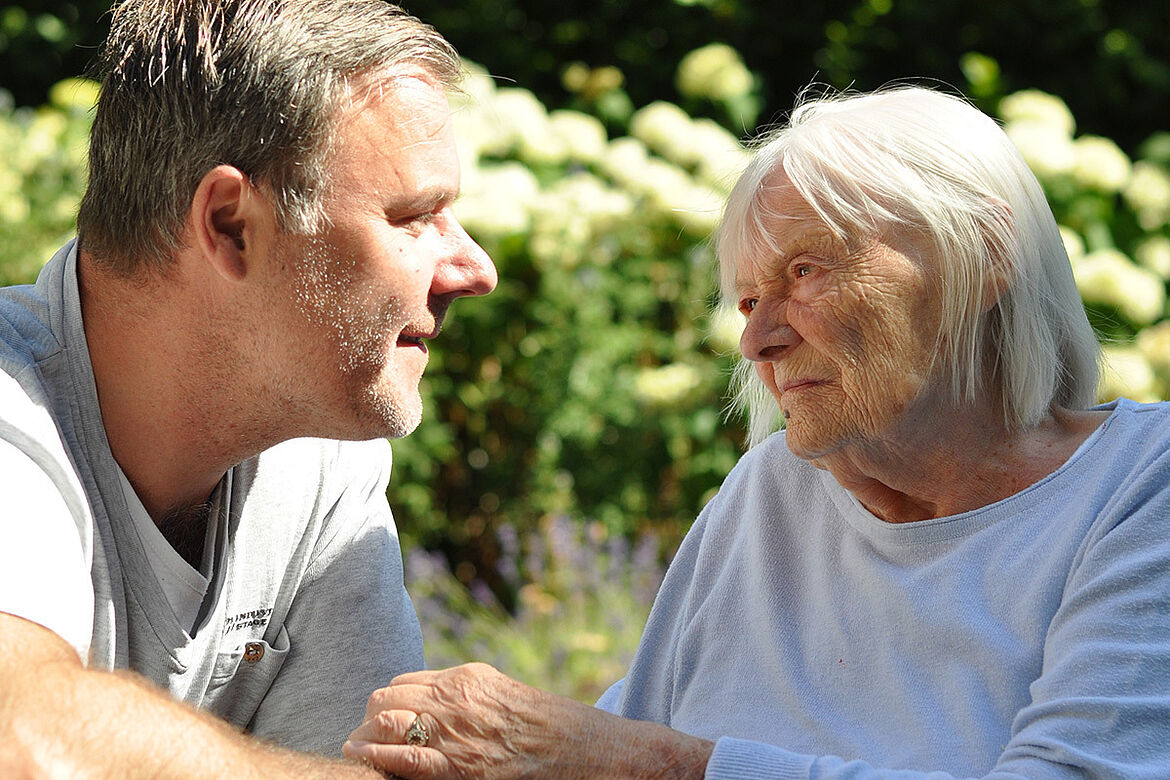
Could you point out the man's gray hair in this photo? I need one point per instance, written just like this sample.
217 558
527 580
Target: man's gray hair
925 163
257 84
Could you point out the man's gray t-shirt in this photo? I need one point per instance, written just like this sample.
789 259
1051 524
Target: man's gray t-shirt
305 612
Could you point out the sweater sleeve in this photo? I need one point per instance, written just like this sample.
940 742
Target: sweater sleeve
1100 707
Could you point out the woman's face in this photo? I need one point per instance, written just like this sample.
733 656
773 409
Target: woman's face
842 334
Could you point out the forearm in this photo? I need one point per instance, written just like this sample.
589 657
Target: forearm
58 719
96 724
649 751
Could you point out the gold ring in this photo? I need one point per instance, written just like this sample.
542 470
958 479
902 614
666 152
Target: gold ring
418 734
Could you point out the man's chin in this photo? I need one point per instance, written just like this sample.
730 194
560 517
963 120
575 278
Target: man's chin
394 417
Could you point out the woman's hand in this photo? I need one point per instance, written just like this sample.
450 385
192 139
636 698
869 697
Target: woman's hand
481 724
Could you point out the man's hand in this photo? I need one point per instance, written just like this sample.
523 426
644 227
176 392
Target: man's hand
483 724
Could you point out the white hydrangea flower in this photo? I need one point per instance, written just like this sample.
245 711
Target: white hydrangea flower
673 192
666 185
584 196
497 199
1047 149
703 145
1148 194
1100 164
480 130
659 125
1154 253
666 385
698 209
720 158
582 135
1126 372
526 124
1032 105
572 218
1107 276
624 160
477 85
715 71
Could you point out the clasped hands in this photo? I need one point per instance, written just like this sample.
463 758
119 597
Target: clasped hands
483 725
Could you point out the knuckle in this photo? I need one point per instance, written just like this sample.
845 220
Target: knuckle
385 725
413 761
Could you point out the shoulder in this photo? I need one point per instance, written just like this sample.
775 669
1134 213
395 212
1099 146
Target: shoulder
1132 445
334 489
28 332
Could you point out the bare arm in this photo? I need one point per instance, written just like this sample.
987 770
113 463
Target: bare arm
485 725
58 719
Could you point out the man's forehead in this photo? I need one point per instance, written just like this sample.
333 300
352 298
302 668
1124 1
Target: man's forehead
400 83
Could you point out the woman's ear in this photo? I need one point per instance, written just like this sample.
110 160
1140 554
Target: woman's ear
230 219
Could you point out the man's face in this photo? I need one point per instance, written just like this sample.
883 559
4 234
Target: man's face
374 283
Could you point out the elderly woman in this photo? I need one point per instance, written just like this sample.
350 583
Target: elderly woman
946 565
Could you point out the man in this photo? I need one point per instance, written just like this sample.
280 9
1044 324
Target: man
264 249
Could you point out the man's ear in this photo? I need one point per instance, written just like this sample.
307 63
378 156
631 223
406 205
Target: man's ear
231 219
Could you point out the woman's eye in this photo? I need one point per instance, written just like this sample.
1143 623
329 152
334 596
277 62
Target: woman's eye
748 305
801 270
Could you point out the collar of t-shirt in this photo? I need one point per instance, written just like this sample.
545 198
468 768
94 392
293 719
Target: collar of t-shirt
183 585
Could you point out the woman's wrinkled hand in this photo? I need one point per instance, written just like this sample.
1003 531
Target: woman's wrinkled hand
483 724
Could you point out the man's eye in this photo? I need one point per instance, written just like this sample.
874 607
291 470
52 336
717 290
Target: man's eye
416 220
748 305
801 270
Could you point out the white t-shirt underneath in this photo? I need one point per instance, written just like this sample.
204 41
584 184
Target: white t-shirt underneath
44 570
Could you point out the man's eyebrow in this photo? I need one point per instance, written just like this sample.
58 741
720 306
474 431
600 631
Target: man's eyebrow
422 201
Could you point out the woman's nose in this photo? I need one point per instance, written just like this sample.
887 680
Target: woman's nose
767 333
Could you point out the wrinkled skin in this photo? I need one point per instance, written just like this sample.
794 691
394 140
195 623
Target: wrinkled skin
842 336
485 725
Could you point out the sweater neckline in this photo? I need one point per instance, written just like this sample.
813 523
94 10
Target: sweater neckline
953 526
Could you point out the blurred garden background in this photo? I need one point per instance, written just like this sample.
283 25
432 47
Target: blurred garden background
575 418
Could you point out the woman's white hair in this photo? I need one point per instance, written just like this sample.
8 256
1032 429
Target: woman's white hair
920 162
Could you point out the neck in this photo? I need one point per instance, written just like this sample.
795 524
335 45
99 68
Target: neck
164 413
968 463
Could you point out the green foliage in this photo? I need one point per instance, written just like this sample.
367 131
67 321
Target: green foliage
42 42
1114 213
589 382
583 597
1109 58
42 175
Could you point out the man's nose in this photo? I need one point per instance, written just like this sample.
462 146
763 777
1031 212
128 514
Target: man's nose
467 269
